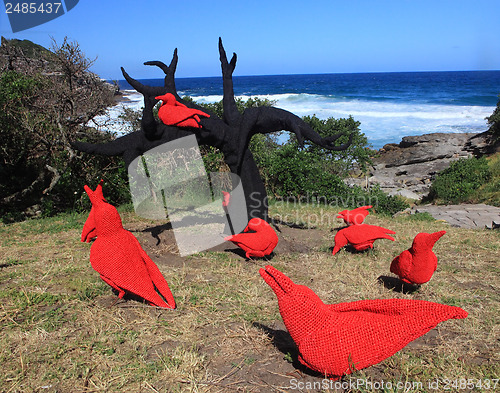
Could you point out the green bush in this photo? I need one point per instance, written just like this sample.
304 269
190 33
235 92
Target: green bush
42 109
460 180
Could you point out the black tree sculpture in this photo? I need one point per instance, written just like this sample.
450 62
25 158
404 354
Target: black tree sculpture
231 135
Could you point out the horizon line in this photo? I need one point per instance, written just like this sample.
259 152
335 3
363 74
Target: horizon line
317 73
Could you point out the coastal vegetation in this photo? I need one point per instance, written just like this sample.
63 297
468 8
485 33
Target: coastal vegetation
468 180
47 98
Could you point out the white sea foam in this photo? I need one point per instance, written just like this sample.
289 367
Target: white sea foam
110 120
387 122
381 121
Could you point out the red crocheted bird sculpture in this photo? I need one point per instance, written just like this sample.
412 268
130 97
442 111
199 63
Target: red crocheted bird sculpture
417 264
119 258
355 216
259 243
174 113
338 339
361 237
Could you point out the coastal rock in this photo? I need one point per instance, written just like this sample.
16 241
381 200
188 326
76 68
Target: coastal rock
409 167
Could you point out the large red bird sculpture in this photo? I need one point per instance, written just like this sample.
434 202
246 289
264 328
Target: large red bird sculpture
174 113
338 339
119 258
417 264
361 237
258 243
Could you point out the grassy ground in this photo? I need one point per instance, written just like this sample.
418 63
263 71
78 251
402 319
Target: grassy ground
59 333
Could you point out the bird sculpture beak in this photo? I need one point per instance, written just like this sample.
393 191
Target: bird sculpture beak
278 282
434 237
165 98
341 214
94 197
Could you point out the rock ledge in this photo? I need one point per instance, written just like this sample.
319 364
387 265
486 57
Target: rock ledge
409 167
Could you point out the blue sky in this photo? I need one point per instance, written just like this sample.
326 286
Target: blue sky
279 37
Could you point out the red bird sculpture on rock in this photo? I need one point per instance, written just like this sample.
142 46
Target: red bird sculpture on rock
417 264
260 242
361 237
355 216
119 258
174 113
338 339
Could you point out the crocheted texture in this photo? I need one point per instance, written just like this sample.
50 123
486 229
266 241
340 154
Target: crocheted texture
89 230
361 237
260 242
120 260
355 216
417 264
339 338
174 113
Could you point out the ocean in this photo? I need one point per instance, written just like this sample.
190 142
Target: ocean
388 105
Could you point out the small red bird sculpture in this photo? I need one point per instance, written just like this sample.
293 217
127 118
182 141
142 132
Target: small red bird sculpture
417 264
361 237
355 216
174 113
338 339
119 258
260 242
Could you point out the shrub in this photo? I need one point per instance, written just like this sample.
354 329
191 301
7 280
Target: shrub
460 180
46 102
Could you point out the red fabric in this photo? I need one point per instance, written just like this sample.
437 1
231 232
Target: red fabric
174 113
336 339
260 242
417 264
360 237
120 260
355 216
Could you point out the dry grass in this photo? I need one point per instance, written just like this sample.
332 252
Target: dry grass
58 333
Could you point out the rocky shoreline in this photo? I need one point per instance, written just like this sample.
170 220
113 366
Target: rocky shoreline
408 168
